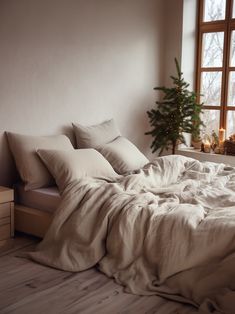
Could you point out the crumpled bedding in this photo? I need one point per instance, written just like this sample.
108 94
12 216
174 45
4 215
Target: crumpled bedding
168 229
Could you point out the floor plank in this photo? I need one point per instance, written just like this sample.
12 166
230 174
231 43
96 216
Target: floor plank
28 287
20 241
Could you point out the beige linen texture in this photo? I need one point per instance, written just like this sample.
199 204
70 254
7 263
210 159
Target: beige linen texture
167 230
31 169
69 166
123 155
95 135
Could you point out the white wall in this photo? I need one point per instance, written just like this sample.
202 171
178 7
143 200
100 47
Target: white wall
189 44
173 37
180 38
78 60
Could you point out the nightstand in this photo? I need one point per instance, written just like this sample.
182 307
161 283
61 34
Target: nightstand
6 213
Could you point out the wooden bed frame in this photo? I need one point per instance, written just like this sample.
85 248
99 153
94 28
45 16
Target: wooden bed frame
32 221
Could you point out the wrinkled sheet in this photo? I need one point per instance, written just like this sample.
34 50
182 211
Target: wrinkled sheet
168 229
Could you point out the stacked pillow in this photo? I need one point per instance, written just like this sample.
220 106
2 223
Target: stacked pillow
95 135
101 151
69 166
32 171
123 155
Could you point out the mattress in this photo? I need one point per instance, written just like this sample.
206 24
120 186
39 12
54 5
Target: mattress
46 199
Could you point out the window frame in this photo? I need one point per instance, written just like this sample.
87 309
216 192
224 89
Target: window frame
227 26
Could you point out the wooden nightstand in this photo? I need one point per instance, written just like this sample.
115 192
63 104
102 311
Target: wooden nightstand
6 213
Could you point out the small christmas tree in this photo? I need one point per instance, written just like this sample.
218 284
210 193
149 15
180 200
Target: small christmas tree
178 112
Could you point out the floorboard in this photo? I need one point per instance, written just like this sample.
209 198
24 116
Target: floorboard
28 287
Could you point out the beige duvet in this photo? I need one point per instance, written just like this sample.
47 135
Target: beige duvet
167 230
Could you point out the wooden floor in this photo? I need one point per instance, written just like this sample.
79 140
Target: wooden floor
27 287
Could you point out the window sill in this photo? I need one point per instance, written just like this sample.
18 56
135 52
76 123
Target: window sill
197 154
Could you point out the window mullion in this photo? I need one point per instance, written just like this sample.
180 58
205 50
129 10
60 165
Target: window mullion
226 64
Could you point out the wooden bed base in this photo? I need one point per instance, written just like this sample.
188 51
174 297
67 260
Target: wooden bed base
32 221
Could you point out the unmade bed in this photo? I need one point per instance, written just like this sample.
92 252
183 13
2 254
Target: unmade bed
165 227
168 229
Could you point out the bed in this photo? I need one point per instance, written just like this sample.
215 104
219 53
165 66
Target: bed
166 228
34 209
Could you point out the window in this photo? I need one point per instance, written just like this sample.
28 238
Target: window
216 64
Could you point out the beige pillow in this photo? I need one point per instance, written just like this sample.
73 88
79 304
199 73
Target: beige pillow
123 155
68 166
95 135
31 169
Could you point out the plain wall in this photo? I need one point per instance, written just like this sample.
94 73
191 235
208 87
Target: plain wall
173 37
189 41
180 39
84 61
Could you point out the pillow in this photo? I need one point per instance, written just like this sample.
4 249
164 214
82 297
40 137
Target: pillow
68 166
95 135
123 155
31 169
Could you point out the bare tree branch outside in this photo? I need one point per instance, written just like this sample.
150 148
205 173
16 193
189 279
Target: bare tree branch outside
211 81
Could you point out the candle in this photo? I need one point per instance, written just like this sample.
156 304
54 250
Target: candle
207 147
221 135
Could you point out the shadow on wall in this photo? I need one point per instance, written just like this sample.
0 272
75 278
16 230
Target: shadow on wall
68 131
135 131
8 172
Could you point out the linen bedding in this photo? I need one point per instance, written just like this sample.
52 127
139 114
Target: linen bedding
168 229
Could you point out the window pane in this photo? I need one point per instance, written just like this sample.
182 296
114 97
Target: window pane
211 119
214 10
211 88
212 49
230 123
233 16
232 49
231 89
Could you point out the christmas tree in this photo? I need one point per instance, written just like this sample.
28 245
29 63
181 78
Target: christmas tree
177 112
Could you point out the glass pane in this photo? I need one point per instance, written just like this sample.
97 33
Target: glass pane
211 88
212 49
233 16
230 123
231 89
214 10
211 119
232 49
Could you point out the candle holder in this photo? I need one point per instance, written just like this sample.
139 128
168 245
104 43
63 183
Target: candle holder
217 150
221 147
206 147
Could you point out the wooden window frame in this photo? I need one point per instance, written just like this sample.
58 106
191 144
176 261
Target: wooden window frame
227 26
